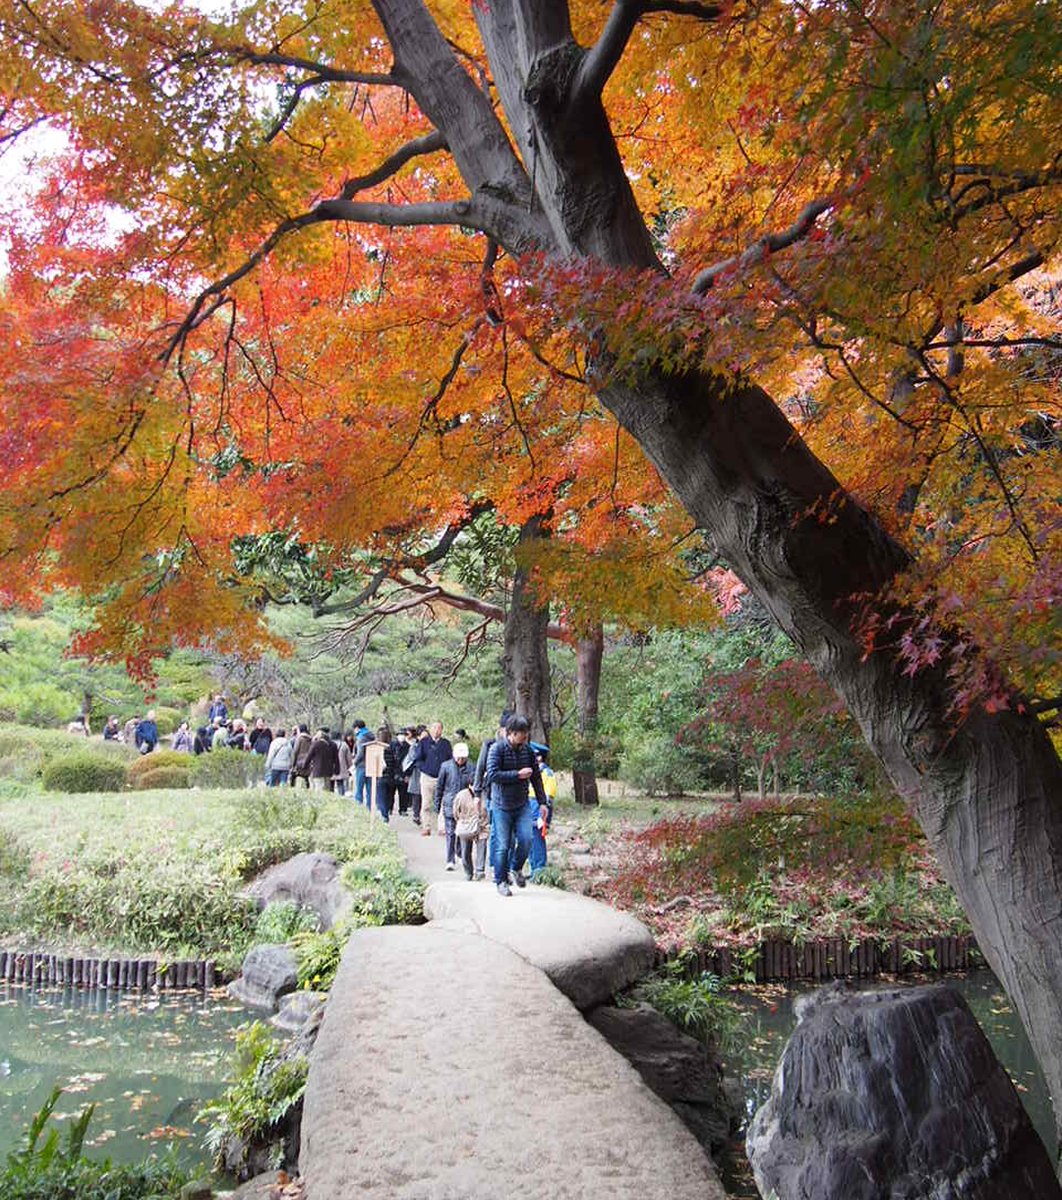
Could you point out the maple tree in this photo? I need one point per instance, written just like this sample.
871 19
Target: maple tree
367 234
768 713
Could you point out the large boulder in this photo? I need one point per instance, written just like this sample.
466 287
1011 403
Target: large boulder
589 950
299 1009
681 1070
311 880
268 973
894 1094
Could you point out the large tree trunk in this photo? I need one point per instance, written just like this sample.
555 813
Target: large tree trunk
589 652
524 658
988 791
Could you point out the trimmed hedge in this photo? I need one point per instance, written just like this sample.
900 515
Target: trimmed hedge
84 772
163 777
148 764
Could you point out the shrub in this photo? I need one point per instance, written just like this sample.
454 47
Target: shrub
84 772
659 767
318 954
224 768
167 719
145 764
163 777
281 920
550 876
384 893
269 1083
14 857
150 901
25 752
695 1004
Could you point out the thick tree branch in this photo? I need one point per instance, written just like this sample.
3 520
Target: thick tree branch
432 592
604 56
453 102
769 243
428 144
319 72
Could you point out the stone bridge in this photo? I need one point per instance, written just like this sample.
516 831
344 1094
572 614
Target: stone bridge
453 1062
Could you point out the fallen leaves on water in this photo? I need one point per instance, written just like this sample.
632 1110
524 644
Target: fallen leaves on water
167 1131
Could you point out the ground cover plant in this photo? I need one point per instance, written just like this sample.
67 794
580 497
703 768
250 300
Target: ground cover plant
159 871
270 1080
798 868
51 1166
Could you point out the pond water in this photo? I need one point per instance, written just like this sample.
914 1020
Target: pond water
767 1020
148 1063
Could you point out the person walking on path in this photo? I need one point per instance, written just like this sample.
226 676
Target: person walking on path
300 761
260 737
470 822
511 768
182 739
455 775
279 759
346 760
541 814
432 752
323 761
382 766
479 784
413 778
362 787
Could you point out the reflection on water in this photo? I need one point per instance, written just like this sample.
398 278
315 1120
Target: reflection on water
148 1063
768 1021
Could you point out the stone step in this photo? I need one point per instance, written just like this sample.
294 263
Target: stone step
449 1068
589 950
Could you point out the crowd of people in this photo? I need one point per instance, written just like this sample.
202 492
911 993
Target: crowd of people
501 805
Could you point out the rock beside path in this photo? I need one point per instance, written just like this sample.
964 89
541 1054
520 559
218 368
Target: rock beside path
268 973
589 950
894 1094
447 1068
310 880
680 1070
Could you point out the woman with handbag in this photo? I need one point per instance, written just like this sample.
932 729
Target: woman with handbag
454 775
470 820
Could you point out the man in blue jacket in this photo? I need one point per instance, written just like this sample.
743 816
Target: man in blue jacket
511 767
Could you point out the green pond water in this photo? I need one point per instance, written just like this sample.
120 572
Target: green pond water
767 1020
147 1062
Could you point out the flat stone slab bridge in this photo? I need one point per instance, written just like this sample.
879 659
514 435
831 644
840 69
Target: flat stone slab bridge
453 1062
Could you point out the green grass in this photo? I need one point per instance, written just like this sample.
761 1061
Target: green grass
159 871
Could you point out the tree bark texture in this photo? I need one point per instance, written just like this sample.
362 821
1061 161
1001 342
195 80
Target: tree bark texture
525 658
589 653
988 792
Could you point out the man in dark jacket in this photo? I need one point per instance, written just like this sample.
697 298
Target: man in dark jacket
147 734
511 766
322 761
432 751
260 737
